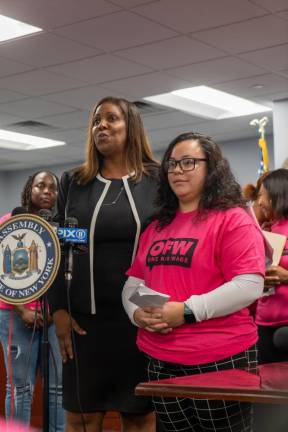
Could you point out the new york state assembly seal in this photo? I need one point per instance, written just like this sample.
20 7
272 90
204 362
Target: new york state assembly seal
29 258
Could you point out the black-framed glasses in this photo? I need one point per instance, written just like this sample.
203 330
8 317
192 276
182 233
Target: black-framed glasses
186 164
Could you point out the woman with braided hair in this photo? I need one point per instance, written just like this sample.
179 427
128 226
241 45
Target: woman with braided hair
17 323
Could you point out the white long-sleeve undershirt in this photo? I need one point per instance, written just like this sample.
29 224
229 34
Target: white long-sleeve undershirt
232 296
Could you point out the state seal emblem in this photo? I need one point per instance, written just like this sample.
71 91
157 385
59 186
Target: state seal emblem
29 258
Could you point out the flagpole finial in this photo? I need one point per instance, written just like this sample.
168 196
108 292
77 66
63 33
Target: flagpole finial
261 123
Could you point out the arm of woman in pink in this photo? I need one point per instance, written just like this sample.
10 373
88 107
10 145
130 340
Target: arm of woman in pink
238 293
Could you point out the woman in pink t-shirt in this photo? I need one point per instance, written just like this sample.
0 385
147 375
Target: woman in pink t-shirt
272 310
206 252
21 345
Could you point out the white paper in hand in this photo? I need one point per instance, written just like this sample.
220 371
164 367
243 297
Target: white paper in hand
146 297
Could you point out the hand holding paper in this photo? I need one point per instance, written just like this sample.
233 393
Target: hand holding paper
146 297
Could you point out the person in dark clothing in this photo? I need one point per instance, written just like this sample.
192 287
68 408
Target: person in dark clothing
111 195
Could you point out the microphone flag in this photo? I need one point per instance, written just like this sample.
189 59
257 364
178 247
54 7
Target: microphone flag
29 258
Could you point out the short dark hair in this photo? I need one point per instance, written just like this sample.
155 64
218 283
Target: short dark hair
276 184
26 201
221 190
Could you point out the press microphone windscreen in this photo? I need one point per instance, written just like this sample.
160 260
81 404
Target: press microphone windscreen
71 222
45 214
18 211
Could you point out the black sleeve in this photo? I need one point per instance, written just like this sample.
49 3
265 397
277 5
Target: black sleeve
64 187
57 295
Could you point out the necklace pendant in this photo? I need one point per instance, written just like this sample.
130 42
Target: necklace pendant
115 199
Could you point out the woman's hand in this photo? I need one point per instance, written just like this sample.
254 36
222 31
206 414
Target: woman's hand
160 320
151 319
276 275
173 314
64 326
28 316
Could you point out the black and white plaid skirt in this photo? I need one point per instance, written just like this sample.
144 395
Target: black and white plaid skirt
202 415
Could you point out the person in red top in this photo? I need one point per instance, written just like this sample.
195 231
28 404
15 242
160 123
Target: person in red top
207 253
272 310
21 346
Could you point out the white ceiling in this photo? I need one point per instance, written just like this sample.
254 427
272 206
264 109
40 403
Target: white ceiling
136 48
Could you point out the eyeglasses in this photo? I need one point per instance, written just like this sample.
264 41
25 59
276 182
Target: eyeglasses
186 164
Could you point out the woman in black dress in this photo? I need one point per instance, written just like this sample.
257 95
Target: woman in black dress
112 195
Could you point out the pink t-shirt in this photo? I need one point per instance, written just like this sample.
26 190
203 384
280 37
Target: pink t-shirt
5 218
11 426
3 305
273 310
187 258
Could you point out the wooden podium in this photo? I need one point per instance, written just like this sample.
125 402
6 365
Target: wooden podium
266 384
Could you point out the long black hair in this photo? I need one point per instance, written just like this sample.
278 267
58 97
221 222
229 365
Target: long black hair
220 191
276 184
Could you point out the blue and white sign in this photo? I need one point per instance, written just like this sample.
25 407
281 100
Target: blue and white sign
29 258
73 235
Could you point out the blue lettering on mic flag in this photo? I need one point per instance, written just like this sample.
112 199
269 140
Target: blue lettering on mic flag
73 235
29 258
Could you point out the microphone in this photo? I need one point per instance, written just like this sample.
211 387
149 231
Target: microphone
45 214
70 224
18 211
280 338
71 235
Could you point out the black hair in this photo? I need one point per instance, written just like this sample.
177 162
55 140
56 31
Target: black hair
276 184
251 191
221 190
26 194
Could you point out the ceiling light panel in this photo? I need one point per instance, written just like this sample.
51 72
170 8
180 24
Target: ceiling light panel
18 141
12 29
208 102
